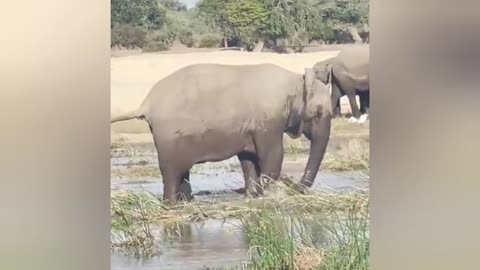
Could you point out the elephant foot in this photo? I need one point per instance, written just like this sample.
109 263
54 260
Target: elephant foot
363 118
185 193
185 197
352 119
251 193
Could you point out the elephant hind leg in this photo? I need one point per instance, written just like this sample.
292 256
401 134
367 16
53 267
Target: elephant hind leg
353 104
176 185
269 148
185 188
251 173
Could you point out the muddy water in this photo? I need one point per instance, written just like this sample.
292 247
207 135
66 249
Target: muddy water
223 177
213 243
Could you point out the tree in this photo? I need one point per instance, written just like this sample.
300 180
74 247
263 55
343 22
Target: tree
293 20
143 13
174 5
131 20
345 15
214 12
248 19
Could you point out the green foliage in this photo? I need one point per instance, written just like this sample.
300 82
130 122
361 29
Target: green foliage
248 19
173 5
128 36
214 14
155 46
295 22
157 41
209 40
143 13
131 20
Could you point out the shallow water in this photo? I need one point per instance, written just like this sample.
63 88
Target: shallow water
223 177
213 243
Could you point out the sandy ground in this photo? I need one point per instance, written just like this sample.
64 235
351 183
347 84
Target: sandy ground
133 75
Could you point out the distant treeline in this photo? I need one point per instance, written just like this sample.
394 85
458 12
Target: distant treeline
279 25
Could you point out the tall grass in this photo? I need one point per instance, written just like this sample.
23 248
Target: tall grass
301 237
315 231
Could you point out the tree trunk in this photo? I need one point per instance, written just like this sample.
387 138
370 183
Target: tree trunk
354 33
225 42
259 46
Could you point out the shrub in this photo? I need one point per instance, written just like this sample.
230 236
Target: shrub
210 40
155 46
157 41
186 38
127 35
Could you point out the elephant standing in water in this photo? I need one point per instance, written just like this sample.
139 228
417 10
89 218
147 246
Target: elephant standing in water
211 112
347 74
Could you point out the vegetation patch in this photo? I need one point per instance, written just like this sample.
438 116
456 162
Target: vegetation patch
250 24
314 231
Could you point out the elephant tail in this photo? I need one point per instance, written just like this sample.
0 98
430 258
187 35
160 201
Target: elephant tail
136 114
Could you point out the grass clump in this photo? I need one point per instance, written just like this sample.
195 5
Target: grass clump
355 155
301 237
131 216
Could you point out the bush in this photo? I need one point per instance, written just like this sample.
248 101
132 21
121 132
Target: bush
210 40
158 41
187 39
155 46
127 35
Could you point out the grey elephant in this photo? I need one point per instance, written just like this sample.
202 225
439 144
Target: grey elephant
211 112
348 74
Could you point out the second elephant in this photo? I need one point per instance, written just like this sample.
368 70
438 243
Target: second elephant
348 74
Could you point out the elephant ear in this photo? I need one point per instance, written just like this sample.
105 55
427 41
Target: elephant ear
329 78
317 100
297 112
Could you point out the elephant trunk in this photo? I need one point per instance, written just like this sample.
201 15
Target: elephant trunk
319 140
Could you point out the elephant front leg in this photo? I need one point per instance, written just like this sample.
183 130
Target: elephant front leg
251 174
364 101
175 186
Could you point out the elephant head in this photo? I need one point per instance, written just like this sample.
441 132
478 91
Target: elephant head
324 72
311 116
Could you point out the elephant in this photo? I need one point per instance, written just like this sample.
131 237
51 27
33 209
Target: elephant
347 74
211 112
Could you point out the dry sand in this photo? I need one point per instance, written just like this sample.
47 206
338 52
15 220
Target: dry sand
133 76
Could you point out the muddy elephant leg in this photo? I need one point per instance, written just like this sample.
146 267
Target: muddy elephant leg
185 188
251 174
269 149
176 185
171 184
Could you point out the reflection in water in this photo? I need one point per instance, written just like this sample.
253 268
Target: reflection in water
214 243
